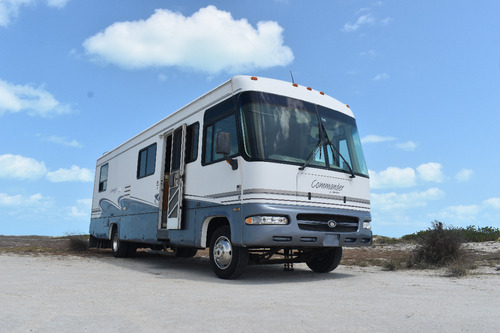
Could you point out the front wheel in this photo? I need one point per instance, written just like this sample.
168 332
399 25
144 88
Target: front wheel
227 261
325 260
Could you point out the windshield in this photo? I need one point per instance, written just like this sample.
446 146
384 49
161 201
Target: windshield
286 130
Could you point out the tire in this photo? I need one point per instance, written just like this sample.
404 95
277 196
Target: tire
119 248
227 261
186 252
325 260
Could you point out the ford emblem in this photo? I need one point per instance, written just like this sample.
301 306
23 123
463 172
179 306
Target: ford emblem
332 224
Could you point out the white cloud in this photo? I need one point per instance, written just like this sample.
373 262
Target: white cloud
430 172
75 173
392 177
362 20
35 101
81 210
22 201
19 167
210 40
63 141
376 139
407 146
464 175
459 213
9 9
365 20
492 202
25 168
381 77
401 201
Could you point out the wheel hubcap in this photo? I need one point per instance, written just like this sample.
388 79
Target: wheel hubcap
223 252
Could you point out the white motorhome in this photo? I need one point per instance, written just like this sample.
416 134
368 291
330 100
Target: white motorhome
258 170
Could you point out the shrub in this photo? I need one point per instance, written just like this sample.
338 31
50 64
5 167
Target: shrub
439 246
480 234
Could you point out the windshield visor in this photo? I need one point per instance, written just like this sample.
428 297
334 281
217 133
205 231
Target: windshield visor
286 130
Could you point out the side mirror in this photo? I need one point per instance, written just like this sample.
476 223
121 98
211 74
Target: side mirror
223 146
223 143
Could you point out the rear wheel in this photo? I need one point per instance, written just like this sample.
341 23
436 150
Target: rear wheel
325 260
227 261
119 248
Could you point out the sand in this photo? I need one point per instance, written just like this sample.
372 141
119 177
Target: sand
157 293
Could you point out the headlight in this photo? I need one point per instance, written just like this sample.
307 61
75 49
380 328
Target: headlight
266 220
367 225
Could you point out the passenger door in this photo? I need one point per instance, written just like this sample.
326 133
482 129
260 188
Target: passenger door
173 184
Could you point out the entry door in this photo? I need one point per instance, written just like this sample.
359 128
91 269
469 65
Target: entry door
175 182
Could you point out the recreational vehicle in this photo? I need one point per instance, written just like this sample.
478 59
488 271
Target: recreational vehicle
257 170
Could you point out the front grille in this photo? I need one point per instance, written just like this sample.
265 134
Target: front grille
319 222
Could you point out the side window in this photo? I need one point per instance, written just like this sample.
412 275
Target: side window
192 142
103 178
220 118
147 161
224 125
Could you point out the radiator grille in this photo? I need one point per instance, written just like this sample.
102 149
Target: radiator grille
319 222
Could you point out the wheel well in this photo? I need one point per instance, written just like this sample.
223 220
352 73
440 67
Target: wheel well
210 225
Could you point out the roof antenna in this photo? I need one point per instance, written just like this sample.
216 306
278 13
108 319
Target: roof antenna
292 77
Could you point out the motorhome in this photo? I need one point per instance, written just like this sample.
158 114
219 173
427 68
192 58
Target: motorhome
257 170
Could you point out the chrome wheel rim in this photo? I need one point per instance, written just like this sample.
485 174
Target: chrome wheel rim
223 252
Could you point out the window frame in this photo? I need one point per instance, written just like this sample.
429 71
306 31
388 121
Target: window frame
146 162
103 183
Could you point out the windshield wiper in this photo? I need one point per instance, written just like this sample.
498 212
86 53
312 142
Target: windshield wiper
313 153
337 151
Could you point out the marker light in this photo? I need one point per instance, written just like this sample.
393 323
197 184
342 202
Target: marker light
295 84
254 78
309 88
322 93
266 220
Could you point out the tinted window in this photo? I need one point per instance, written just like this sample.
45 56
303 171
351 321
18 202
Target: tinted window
103 178
192 142
147 161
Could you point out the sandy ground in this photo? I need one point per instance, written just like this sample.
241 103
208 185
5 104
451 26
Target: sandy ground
159 293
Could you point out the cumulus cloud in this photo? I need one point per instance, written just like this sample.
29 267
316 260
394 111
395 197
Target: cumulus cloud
75 173
25 168
20 200
393 177
36 101
19 167
430 172
492 202
402 201
464 175
210 41
81 210
9 9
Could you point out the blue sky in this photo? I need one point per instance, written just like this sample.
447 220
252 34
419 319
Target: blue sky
77 78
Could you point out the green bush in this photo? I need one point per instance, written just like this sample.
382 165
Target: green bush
480 234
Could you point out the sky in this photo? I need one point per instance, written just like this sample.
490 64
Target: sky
78 78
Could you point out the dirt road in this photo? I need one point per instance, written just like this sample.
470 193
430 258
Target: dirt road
158 293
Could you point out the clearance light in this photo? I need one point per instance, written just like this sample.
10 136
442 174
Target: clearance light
322 93
309 88
266 220
254 78
347 106
295 84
